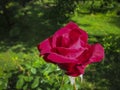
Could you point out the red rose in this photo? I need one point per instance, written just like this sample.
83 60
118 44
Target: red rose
69 49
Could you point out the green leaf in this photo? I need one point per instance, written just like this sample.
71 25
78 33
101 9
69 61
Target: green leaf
20 83
28 78
33 70
36 63
1 82
25 87
39 89
28 66
35 83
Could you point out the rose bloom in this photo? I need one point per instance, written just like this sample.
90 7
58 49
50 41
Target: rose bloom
69 49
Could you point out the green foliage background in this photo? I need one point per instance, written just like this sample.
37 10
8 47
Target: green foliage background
25 23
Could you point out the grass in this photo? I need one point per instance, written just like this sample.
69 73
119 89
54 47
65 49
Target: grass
98 24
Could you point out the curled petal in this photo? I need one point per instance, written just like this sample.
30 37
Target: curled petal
63 41
94 53
68 52
75 37
68 67
76 72
56 58
97 53
72 69
44 47
59 33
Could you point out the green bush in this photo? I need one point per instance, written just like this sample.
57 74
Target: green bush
34 73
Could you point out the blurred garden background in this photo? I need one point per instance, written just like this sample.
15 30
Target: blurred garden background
25 23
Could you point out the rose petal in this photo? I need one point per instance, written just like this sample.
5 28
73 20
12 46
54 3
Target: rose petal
75 39
68 67
68 52
70 40
67 28
72 69
64 32
84 57
76 71
58 34
83 35
71 25
53 57
78 33
44 47
81 68
62 41
75 28
97 53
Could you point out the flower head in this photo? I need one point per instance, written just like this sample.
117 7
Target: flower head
69 49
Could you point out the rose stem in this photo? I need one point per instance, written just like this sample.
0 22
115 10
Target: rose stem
74 86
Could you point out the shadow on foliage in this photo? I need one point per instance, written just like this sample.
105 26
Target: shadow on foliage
33 23
116 21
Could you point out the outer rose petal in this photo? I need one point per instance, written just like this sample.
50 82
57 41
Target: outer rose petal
56 58
72 69
84 57
68 52
78 71
66 29
67 66
44 47
97 53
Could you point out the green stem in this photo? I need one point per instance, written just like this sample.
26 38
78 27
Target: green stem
74 86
